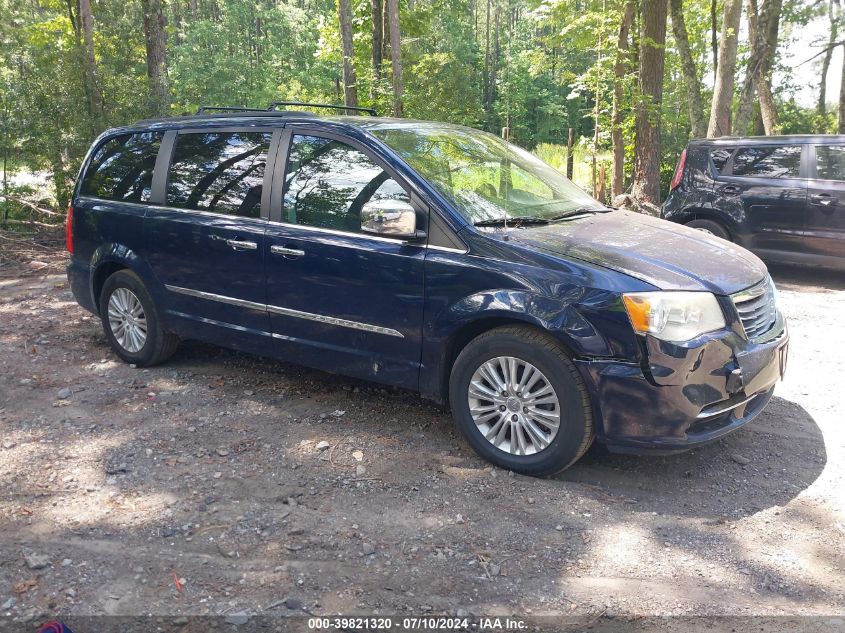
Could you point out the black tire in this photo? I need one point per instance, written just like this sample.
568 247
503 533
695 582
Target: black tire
159 344
576 428
710 226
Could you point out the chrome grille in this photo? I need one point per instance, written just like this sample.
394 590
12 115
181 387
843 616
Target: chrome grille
757 308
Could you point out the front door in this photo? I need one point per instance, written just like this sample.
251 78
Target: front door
339 299
767 183
825 228
205 243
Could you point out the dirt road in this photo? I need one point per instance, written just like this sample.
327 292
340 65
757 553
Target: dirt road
222 483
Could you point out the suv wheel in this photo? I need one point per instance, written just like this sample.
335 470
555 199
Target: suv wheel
711 227
131 322
520 402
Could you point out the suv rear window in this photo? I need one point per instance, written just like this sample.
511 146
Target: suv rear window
222 172
122 168
770 162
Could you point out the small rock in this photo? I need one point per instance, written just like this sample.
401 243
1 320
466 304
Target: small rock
530 500
360 470
148 452
293 604
459 519
339 413
11 602
237 618
495 570
740 459
223 452
462 613
64 393
7 444
168 532
367 549
67 562
181 621
36 561
70 592
321 446
358 455
217 475
559 528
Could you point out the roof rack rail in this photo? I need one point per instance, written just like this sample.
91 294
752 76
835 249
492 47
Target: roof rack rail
276 104
204 109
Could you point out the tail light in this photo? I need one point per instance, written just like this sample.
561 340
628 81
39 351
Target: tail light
69 229
679 171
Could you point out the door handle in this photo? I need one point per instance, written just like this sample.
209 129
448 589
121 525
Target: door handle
823 199
241 245
731 190
286 251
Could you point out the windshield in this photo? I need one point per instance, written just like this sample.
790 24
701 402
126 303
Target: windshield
486 178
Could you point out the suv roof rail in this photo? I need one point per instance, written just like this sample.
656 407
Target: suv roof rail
204 109
276 104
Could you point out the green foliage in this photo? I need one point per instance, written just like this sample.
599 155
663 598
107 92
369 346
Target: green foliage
551 68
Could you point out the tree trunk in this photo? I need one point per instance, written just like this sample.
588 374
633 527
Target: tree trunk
378 36
769 30
350 91
617 185
155 37
95 93
486 78
723 91
841 127
395 55
693 85
646 187
714 41
763 26
832 13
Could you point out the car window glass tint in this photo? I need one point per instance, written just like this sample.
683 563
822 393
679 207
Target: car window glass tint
830 162
720 158
327 182
222 172
122 168
772 162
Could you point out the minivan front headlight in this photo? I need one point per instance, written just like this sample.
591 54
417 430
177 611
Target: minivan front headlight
674 316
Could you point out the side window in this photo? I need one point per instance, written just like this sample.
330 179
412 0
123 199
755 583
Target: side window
327 182
720 158
830 162
222 172
122 168
771 162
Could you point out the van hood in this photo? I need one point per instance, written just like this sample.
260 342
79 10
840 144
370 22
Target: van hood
664 254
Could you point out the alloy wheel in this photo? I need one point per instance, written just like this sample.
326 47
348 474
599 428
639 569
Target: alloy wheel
127 320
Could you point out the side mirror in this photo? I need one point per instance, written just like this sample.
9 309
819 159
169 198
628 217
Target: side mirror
394 218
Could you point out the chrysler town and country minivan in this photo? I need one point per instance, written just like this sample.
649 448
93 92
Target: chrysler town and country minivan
431 257
782 197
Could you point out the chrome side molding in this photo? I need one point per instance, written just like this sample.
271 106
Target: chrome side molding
297 314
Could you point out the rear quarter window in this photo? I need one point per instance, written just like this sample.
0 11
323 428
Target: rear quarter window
769 162
720 158
122 168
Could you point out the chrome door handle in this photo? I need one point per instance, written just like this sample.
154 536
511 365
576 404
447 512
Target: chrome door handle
288 252
241 245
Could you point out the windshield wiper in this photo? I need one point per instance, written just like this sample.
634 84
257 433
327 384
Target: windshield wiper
512 221
579 211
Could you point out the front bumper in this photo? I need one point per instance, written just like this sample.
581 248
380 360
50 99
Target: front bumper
687 395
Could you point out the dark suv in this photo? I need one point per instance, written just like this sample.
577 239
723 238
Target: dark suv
431 257
782 197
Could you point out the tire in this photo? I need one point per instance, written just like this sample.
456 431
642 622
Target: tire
531 347
710 226
125 298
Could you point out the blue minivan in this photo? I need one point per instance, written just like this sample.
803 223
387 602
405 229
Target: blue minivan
432 257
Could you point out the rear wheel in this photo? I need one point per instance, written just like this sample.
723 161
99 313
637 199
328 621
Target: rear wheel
131 322
710 226
518 399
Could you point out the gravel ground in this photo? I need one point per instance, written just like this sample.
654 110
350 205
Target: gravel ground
222 483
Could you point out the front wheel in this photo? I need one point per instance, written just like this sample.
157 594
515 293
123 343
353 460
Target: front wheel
131 322
710 226
518 399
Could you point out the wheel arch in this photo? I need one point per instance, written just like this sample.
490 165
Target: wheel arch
703 213
110 258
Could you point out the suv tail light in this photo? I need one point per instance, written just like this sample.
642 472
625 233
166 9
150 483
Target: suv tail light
679 171
69 229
